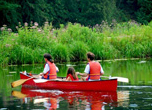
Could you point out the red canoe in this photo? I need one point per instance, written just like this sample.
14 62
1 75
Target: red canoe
103 85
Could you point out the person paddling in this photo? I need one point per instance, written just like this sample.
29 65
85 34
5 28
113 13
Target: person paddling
93 70
50 69
71 75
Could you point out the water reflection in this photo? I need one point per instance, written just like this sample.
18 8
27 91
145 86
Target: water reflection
53 99
134 95
123 98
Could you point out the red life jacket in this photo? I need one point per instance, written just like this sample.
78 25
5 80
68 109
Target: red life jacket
51 74
69 75
95 69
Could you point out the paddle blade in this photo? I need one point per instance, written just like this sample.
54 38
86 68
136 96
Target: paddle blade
121 79
18 82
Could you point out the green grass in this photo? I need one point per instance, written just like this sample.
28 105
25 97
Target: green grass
73 41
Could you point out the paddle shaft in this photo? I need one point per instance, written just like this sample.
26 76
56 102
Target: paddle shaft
120 79
19 82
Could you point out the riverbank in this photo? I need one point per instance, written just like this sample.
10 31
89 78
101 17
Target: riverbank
73 41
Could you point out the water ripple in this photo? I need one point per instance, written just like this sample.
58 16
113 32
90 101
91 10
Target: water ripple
136 87
133 105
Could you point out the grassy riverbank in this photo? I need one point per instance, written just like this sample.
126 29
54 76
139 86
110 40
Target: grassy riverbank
73 41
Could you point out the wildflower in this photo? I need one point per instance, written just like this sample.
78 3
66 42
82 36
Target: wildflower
31 24
19 23
63 30
2 28
113 20
9 30
16 27
4 25
46 22
7 45
13 39
33 27
16 34
39 30
36 24
25 24
103 21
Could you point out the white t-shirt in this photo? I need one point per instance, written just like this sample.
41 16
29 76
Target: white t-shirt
87 69
46 68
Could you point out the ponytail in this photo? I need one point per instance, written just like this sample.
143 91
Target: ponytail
50 60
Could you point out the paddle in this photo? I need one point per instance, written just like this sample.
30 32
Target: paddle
18 94
19 82
120 79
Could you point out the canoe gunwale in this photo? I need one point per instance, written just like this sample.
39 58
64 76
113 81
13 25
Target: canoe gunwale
69 81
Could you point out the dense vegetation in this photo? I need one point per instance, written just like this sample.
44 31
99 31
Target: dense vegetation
71 42
85 12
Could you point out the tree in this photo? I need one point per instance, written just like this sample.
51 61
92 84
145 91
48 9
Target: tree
144 13
9 13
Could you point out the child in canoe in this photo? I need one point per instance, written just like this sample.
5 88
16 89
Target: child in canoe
71 75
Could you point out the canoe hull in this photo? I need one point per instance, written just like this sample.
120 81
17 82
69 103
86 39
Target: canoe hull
104 85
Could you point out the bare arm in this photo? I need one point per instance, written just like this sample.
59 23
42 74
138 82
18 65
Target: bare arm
101 73
82 74
68 79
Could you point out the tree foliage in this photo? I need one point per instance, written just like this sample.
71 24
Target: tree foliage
86 12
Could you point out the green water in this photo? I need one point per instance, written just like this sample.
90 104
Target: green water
133 95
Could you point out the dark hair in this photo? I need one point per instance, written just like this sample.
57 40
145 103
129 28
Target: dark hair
48 57
90 55
72 72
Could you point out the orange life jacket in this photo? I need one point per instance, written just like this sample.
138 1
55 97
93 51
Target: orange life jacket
69 75
95 69
96 105
52 73
53 102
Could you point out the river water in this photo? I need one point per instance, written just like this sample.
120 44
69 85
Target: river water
135 95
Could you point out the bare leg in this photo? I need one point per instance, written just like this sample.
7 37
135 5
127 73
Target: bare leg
36 76
83 78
